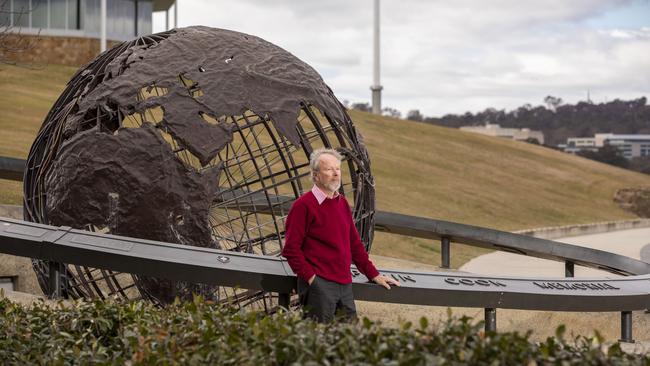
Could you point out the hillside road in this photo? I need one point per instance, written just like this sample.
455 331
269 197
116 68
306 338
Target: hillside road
630 243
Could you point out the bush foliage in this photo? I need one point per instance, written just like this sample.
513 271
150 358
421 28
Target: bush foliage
199 332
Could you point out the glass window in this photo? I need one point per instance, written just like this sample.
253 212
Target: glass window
39 13
21 13
73 14
5 12
145 9
58 13
120 24
90 22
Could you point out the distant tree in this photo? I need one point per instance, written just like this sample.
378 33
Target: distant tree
607 154
391 112
552 102
567 120
414 115
364 107
532 140
640 164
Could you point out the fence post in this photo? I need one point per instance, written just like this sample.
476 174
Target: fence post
283 299
55 280
445 252
569 269
626 327
490 319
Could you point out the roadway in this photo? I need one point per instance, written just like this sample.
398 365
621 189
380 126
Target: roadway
633 243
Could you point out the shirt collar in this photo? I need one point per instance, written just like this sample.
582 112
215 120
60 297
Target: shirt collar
320 195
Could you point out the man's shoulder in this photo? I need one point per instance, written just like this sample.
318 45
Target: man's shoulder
307 199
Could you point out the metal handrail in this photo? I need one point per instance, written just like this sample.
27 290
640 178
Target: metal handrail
225 268
422 227
12 168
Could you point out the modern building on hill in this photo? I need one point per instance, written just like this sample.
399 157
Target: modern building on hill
630 146
519 134
70 32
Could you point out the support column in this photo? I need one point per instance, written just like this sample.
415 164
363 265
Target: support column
55 280
176 14
102 26
376 86
490 319
445 252
626 327
283 300
569 269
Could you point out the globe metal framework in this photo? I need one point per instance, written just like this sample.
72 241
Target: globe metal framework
196 136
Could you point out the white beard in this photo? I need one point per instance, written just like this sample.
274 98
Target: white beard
333 187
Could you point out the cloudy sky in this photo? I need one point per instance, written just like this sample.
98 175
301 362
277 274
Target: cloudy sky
454 56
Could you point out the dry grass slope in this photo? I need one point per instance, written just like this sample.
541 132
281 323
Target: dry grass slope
420 170
453 175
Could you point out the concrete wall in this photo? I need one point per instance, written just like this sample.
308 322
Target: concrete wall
585 229
70 51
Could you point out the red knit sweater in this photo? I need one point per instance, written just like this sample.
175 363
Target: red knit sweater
322 240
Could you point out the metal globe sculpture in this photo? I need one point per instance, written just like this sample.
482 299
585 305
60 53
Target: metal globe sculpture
196 136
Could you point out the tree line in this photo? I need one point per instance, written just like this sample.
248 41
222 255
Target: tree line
559 121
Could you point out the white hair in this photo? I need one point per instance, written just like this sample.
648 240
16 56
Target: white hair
314 159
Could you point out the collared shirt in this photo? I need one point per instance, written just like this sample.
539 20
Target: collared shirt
320 195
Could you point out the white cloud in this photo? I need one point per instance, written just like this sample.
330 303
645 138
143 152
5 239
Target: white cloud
450 57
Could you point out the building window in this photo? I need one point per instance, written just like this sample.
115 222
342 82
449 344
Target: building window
44 14
20 13
58 13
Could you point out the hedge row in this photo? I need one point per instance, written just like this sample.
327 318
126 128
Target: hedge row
199 332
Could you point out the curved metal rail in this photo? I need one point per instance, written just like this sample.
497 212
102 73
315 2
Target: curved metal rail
225 268
202 265
422 227
11 168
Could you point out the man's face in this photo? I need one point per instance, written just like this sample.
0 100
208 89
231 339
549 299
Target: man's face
328 176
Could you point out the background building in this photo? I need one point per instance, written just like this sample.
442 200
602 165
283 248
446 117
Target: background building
630 146
519 134
69 31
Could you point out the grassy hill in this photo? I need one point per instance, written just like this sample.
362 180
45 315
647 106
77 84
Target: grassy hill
420 169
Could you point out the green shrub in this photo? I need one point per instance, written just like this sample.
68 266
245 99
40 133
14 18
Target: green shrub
199 332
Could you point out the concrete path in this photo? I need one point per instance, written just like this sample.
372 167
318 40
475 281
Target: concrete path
626 242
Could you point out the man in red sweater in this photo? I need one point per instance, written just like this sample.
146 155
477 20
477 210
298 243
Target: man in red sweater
321 242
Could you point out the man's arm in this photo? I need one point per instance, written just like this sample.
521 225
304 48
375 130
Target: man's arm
362 261
295 233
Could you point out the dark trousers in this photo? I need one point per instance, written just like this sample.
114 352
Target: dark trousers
324 299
